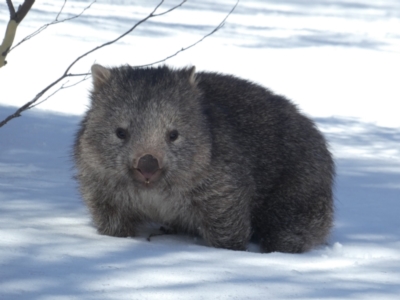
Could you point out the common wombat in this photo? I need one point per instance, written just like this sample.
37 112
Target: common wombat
203 153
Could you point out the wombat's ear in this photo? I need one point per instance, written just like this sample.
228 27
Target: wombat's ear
192 75
100 75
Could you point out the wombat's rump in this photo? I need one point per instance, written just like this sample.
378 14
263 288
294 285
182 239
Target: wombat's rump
203 153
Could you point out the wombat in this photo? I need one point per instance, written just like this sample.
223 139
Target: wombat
205 154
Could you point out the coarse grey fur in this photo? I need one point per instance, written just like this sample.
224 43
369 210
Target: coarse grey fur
233 160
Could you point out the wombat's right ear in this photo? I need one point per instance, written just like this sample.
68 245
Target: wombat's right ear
100 75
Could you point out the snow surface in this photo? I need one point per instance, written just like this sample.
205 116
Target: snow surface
338 60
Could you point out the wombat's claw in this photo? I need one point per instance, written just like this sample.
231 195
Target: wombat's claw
164 230
151 235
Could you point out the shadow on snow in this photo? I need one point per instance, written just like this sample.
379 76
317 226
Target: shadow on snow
296 33
51 248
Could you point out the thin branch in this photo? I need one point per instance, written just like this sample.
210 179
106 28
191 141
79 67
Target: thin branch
27 105
56 21
52 94
220 25
62 7
62 87
169 10
157 7
153 14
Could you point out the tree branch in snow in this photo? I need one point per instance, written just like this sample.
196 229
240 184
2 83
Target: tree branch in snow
15 19
56 21
66 73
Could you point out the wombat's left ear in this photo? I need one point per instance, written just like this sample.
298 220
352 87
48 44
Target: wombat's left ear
192 75
100 75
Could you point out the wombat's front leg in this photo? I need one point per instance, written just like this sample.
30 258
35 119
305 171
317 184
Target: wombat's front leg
110 220
225 219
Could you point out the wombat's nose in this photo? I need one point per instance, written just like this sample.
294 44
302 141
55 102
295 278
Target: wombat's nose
148 165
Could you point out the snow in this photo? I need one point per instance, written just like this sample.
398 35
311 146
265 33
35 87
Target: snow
338 60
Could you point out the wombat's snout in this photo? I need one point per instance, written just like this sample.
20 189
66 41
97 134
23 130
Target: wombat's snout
148 166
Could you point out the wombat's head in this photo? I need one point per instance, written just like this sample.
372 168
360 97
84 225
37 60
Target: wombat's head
146 126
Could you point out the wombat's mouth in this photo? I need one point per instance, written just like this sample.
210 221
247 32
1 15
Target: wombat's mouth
147 179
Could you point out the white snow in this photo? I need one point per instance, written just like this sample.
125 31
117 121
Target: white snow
338 60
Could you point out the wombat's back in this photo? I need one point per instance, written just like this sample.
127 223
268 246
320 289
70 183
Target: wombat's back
288 157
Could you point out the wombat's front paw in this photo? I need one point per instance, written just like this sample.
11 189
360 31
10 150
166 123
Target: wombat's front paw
227 240
229 244
117 232
163 230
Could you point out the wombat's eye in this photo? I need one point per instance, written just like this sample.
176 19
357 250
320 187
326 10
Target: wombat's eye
173 135
121 133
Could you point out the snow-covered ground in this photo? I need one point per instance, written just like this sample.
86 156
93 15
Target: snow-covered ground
338 60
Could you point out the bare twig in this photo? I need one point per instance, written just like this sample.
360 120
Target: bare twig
56 21
62 87
169 10
220 25
151 15
28 105
62 7
15 19
66 73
